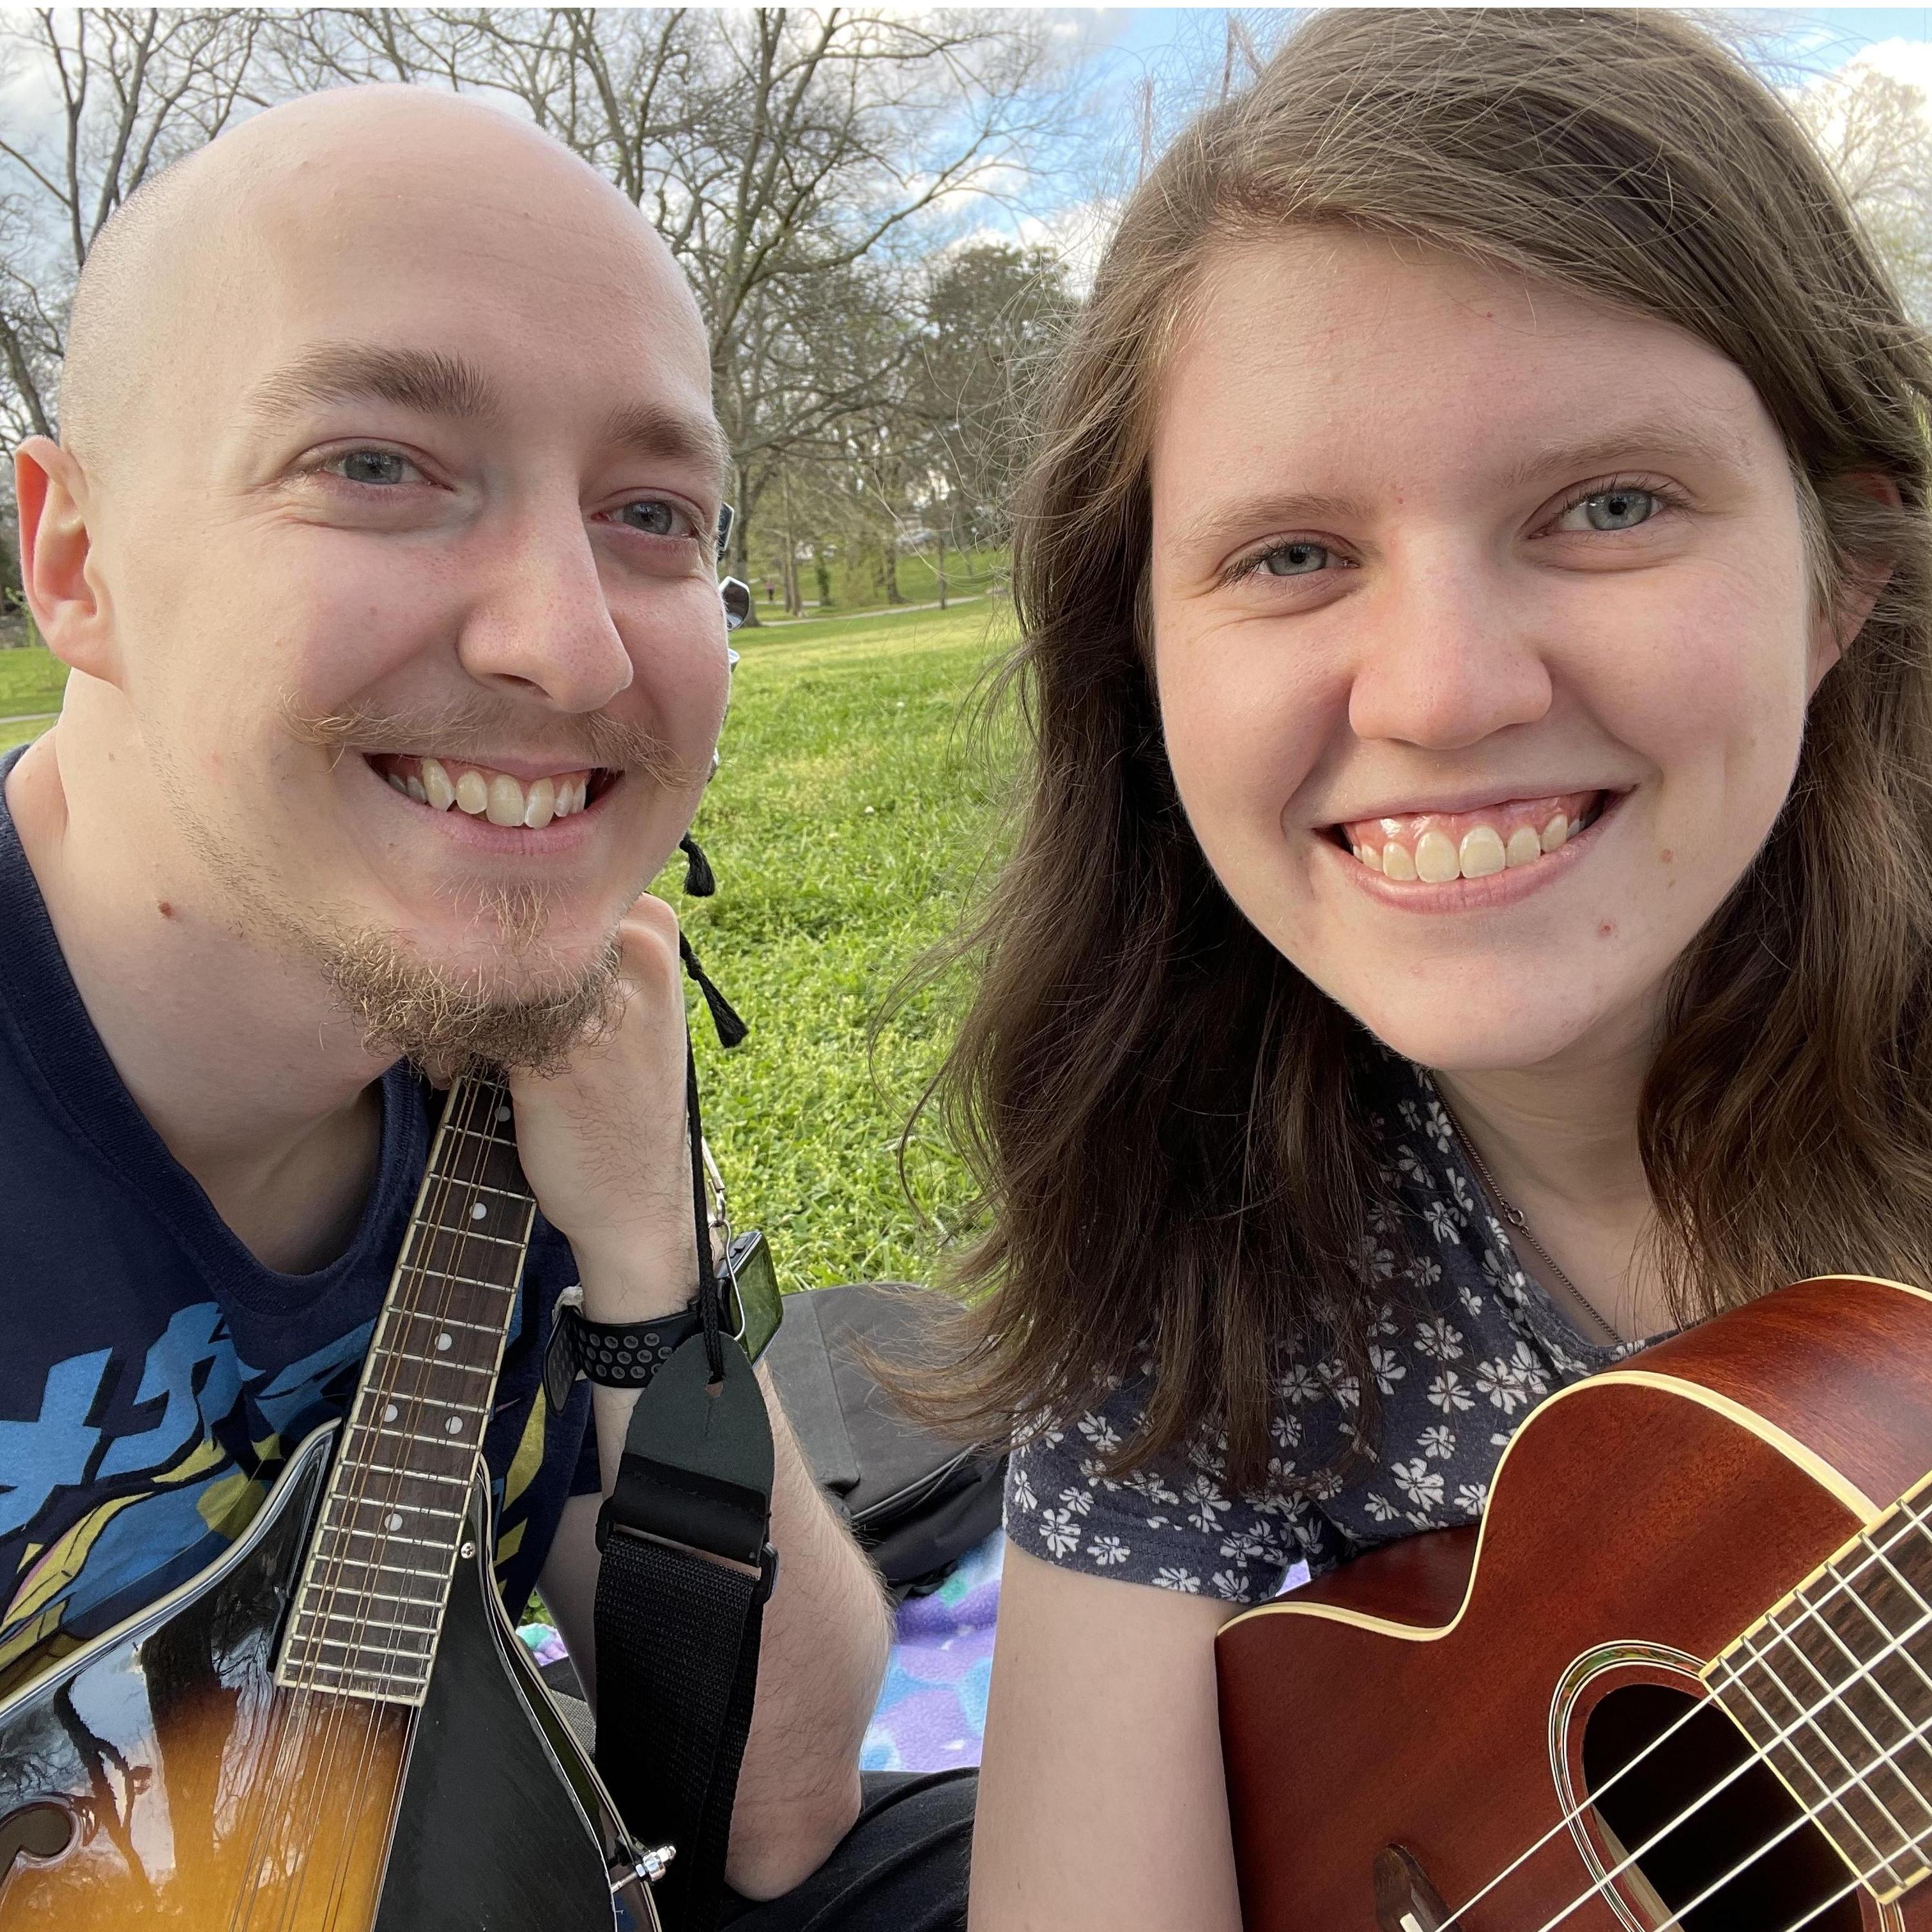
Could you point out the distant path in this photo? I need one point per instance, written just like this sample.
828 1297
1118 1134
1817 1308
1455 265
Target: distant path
853 616
28 717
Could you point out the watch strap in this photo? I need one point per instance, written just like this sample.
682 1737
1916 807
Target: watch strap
613 1356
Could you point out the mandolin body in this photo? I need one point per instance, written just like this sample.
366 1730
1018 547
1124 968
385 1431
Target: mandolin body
160 1777
1453 1696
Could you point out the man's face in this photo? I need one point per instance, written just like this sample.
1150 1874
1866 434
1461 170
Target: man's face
412 575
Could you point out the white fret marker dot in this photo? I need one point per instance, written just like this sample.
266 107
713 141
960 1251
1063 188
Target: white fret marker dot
444 1343
392 1521
503 1113
390 1413
477 1213
454 1425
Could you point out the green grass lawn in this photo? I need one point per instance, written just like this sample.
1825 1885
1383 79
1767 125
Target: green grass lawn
846 823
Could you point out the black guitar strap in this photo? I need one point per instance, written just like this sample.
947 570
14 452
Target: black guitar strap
688 1564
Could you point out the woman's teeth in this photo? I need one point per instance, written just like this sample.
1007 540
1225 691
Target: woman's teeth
1437 847
484 793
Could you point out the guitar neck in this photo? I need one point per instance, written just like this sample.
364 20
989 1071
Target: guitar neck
1833 1686
370 1608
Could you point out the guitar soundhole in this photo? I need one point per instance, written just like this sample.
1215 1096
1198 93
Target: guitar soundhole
1716 1836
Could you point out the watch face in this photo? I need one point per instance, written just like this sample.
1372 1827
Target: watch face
757 1307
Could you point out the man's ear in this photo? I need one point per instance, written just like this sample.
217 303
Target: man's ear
55 553
1832 636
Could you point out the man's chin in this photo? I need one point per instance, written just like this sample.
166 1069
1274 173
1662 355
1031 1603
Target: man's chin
527 1012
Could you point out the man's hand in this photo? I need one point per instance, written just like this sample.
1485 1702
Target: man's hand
603 1140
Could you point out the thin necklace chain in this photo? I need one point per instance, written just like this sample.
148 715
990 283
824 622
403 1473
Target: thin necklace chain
1515 1216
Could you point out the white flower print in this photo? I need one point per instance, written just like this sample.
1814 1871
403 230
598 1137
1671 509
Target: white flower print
1438 1442
1245 1546
1472 1498
1465 1198
1208 1504
1299 1384
1436 1125
1380 1509
1109 1551
1059 1531
1437 1340
1446 1392
1409 1165
1020 1491
1442 1219
1100 1433
1416 1481
1230 1584
1171 1576
1076 1502
1411 1114
1388 1368
1285 1429
1148 1483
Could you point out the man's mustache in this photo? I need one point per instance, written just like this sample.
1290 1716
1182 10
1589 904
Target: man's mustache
470 731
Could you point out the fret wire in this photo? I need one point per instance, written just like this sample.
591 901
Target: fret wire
380 1677
1905 1584
354 1643
448 1439
395 1570
445 1515
1910 1726
476 1234
1780 1734
1843 1703
494 1140
423 1475
361 1622
438 1322
467 1280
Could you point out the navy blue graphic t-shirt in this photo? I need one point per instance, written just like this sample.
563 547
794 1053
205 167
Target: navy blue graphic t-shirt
154 1375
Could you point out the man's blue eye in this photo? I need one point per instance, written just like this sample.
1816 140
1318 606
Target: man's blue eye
1296 559
1614 509
373 466
654 518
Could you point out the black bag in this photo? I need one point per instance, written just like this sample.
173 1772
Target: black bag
915 1501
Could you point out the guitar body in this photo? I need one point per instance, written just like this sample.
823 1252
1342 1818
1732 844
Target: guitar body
1441 1705
161 1777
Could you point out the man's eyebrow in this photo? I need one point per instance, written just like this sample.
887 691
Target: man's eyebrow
422 379
659 430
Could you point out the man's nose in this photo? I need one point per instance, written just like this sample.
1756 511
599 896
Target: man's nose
1451 656
542 626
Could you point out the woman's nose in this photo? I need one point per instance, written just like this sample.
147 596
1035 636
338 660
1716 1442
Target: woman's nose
1447 657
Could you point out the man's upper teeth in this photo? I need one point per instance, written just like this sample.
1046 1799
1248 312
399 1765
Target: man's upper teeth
495 795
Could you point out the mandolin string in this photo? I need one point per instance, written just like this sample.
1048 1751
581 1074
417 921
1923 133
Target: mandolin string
481 1099
1808 1814
462 1114
314 1714
1569 1817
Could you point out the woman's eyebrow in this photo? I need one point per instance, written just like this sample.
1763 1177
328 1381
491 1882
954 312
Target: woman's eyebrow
1701 435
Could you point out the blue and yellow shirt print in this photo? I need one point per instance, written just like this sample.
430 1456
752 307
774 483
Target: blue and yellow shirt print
155 1375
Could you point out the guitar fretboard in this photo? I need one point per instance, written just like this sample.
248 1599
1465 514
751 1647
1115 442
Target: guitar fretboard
1834 1688
368 1613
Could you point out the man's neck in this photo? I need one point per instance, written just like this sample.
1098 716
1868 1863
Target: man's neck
236 1056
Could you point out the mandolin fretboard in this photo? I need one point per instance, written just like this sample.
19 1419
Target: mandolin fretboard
369 1611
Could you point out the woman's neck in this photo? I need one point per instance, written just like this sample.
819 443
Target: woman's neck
1560 1141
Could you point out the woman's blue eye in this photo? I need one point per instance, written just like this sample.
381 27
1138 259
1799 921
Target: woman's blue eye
1295 559
371 466
655 518
1612 510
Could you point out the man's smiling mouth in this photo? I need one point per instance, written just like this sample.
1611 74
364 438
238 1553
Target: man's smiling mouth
1437 847
483 792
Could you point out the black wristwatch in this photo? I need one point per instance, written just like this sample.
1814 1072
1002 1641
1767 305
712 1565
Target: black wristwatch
616 1358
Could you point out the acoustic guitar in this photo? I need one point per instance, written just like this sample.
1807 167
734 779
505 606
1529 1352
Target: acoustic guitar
1680 1675
335 1727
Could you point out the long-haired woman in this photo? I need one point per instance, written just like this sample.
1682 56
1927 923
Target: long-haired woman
1473 911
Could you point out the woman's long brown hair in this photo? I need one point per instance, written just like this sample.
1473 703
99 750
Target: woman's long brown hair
1159 1107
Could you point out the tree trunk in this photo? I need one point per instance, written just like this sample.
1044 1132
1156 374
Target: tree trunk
741 543
942 573
889 569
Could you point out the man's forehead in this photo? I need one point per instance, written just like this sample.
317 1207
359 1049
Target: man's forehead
436 382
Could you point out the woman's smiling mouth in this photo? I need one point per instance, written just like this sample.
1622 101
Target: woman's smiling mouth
1436 848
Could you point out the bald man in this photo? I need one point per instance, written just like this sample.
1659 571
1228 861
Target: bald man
379 541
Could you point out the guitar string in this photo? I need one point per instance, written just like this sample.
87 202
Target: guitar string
1570 1817
341 1709
1807 1814
477 1099
334 1713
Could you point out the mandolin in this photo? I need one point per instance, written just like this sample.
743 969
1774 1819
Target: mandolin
335 1727
1680 1675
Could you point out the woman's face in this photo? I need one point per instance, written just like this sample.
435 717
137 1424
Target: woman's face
1483 636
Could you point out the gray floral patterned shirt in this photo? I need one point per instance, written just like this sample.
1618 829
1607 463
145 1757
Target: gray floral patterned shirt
1453 1381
